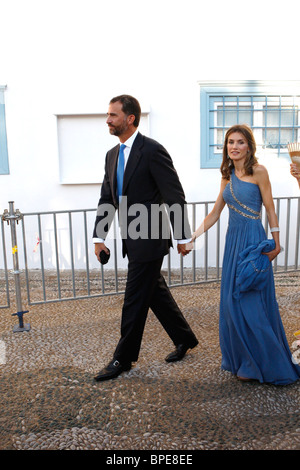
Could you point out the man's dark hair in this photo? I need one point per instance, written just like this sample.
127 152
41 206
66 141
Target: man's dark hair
130 105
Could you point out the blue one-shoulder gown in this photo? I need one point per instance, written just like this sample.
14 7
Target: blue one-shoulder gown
252 338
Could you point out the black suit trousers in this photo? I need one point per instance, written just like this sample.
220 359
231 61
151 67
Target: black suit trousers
146 288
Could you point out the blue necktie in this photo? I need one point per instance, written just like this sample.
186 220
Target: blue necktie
120 171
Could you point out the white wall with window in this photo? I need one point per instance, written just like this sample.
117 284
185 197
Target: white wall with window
81 140
270 109
62 62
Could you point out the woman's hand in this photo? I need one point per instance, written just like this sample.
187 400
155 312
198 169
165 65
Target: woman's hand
272 254
295 171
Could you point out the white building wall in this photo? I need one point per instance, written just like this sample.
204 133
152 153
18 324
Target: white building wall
69 57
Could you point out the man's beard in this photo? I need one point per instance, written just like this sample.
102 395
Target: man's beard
118 130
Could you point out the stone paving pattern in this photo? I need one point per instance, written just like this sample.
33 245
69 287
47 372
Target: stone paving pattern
49 399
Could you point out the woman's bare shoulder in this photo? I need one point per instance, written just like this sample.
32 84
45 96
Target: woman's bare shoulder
260 172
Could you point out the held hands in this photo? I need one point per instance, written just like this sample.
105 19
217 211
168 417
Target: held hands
184 248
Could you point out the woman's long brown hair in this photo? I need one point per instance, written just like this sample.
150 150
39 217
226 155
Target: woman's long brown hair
227 164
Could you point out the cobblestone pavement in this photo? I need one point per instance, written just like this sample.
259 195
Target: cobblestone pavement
49 399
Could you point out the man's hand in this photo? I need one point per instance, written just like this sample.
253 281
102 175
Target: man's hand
184 248
98 248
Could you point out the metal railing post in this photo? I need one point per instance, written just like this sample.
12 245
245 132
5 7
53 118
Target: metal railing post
12 217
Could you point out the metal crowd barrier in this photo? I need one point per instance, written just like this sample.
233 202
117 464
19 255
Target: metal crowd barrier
53 259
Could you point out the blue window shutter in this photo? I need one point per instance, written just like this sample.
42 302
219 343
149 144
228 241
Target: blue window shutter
207 158
4 168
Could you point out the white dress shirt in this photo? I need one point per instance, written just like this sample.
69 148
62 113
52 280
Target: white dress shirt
128 143
127 149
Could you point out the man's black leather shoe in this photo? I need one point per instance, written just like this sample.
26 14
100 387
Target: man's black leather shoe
180 352
112 370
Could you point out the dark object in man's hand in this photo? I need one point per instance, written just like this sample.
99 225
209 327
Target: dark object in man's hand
104 257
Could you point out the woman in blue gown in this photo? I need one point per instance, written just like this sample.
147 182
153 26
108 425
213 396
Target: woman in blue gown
252 338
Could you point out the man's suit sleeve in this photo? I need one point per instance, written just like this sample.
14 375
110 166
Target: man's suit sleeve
106 210
167 180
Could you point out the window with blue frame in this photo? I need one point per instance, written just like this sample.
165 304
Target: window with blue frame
4 168
273 117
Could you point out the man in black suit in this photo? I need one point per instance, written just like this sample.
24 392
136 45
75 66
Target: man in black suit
150 181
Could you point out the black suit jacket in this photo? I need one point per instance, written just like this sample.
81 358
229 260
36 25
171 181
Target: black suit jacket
150 181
